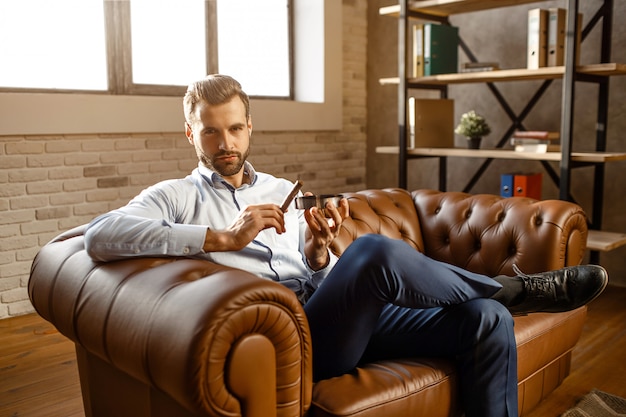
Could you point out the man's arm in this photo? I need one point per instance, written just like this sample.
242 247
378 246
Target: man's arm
147 226
150 225
245 228
117 235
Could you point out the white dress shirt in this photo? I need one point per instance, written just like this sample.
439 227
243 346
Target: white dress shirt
171 219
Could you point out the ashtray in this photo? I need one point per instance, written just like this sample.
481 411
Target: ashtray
319 201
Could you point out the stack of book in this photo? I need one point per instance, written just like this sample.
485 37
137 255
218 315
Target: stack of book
538 141
479 66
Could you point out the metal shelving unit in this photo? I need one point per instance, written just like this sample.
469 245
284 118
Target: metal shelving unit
439 11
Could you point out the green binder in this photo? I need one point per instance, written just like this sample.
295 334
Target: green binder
441 49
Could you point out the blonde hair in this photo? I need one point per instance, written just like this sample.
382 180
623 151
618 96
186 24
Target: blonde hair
213 89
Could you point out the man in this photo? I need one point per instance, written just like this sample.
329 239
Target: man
382 299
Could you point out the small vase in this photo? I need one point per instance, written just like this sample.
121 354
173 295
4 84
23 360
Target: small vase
474 143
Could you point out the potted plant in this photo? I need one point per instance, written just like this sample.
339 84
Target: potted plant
473 126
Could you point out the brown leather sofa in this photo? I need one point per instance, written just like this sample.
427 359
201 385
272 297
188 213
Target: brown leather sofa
185 337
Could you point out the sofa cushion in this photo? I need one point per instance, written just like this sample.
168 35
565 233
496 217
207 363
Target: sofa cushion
542 337
427 387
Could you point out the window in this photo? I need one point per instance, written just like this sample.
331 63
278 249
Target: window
44 45
167 57
316 105
153 45
259 55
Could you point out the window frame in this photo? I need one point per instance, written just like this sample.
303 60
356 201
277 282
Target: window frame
119 51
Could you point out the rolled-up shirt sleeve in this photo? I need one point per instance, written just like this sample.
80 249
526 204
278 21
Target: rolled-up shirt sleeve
149 225
116 235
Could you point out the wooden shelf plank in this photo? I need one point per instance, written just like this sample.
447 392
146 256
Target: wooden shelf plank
449 7
522 74
605 241
591 157
602 69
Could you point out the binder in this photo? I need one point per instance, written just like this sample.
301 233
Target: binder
557 19
527 185
431 123
411 113
441 49
418 50
506 185
537 38
557 23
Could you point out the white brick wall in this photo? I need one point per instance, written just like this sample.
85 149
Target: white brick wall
49 184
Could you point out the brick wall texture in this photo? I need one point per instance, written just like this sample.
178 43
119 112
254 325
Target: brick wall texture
49 184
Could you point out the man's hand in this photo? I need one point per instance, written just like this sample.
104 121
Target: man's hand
244 229
322 231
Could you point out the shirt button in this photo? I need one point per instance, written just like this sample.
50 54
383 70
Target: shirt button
185 251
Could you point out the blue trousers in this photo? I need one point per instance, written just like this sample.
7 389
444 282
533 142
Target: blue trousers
385 300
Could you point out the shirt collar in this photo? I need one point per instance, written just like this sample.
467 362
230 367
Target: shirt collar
217 181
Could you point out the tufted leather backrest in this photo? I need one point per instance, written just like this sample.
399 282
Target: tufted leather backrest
483 233
388 212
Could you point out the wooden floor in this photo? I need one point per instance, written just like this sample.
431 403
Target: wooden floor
38 375
599 358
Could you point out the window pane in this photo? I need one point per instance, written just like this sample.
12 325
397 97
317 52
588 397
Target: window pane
53 44
253 44
168 41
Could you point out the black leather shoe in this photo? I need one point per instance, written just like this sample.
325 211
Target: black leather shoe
561 290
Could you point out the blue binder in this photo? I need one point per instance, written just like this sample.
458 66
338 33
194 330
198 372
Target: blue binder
506 185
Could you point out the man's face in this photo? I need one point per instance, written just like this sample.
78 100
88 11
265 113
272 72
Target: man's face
221 136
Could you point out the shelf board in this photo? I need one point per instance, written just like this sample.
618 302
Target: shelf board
604 241
449 7
522 74
590 157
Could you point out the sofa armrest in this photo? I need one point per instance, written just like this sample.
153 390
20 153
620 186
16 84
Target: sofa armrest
488 233
186 327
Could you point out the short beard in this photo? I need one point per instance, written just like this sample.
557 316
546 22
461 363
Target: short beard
224 169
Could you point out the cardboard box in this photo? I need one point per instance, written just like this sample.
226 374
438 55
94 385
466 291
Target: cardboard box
431 123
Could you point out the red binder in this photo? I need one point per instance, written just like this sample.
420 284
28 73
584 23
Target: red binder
527 185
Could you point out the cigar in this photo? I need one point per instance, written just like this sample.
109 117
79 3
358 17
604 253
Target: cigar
291 196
